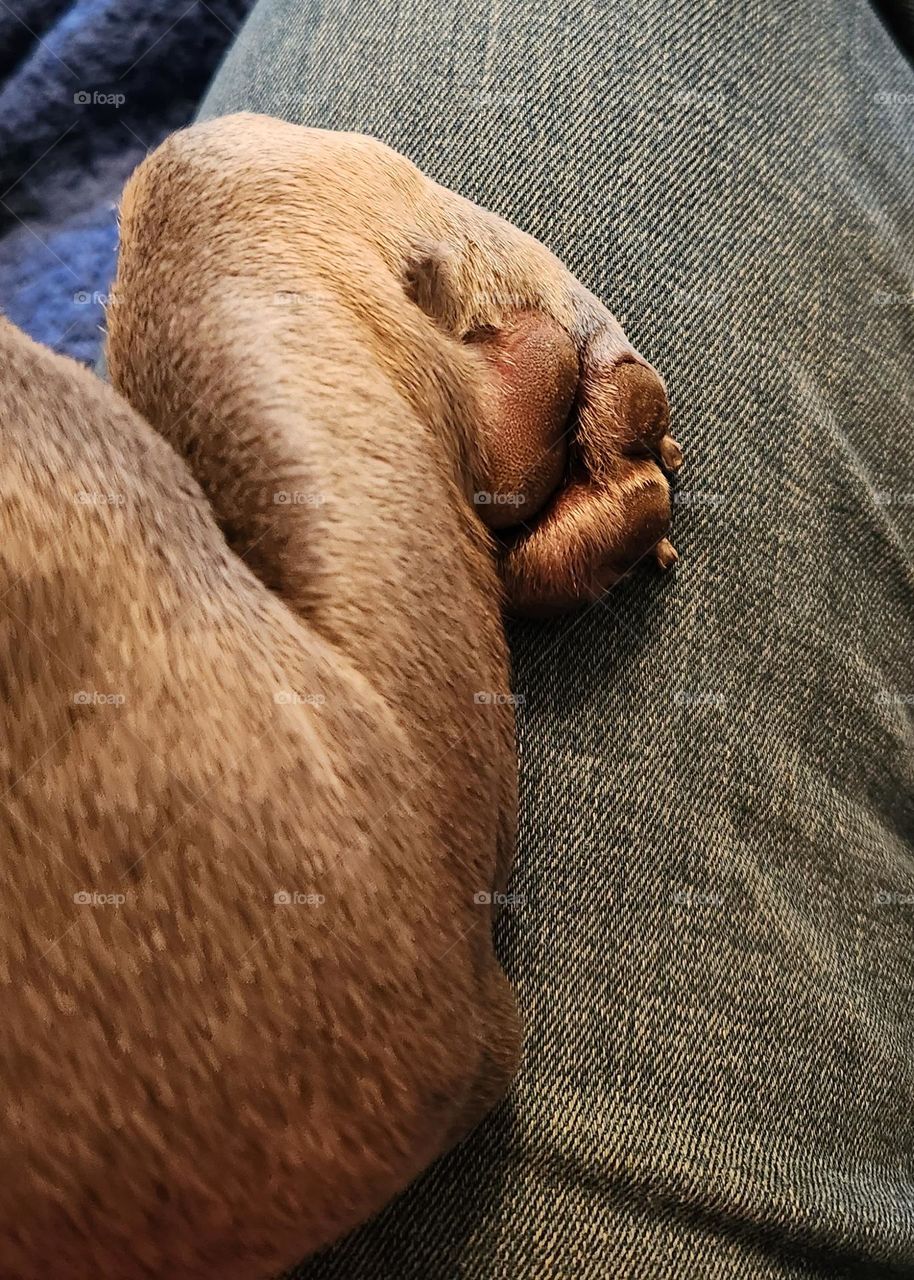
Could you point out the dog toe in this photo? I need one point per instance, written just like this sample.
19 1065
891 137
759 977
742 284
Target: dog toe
665 554
670 454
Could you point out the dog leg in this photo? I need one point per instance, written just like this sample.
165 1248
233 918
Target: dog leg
307 783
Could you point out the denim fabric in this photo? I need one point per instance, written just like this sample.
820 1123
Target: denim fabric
715 945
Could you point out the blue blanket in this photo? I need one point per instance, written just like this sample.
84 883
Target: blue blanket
87 87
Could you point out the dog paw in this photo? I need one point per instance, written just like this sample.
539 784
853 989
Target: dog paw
576 451
580 453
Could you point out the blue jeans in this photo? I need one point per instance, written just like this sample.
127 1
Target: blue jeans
714 938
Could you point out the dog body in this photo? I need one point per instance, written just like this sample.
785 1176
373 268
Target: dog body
258 784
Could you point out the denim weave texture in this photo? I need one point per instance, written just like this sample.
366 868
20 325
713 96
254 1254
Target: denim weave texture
713 942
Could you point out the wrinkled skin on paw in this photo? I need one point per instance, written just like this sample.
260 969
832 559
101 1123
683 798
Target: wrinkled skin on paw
529 394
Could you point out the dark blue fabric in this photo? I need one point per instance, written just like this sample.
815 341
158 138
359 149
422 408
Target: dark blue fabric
86 88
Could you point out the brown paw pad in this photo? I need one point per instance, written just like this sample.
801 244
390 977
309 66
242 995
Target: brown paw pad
575 453
531 377
612 513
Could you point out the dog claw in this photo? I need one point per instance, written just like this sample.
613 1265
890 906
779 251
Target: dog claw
670 454
666 554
